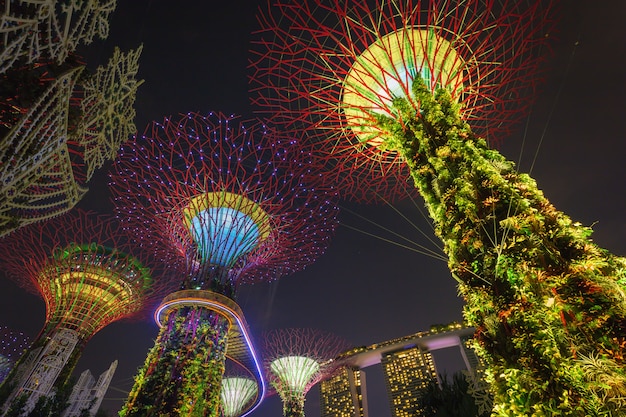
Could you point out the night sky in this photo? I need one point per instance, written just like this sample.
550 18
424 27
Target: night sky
364 289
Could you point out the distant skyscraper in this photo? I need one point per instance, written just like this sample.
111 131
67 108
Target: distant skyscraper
343 395
407 372
87 394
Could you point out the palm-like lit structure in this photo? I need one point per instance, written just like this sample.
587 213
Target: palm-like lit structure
58 125
548 304
295 360
235 202
90 274
32 30
332 67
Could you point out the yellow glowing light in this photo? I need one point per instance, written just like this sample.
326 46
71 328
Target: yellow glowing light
386 70
224 199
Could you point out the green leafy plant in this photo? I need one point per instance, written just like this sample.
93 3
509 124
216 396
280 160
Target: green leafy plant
548 304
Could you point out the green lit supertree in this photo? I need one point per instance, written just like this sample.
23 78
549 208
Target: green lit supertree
234 200
239 389
297 359
409 83
59 123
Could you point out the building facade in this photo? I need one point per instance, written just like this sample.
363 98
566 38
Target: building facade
408 367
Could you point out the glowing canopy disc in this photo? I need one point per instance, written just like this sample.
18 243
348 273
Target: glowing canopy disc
225 226
386 70
295 372
236 394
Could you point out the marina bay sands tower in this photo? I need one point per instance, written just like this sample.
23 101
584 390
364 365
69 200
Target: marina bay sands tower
408 367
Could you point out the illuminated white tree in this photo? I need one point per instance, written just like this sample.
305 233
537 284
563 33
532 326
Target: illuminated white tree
237 392
297 359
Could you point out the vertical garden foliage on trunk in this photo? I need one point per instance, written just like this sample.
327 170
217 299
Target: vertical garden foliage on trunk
189 353
549 305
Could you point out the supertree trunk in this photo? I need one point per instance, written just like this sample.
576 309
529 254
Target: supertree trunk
549 305
293 405
189 353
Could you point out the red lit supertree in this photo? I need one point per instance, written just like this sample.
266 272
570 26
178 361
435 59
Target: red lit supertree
419 83
90 274
547 302
297 359
333 67
233 199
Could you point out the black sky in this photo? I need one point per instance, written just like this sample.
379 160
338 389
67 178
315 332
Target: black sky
364 289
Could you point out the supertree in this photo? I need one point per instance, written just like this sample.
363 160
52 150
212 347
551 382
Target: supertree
332 67
233 199
12 345
295 359
238 390
58 124
90 274
31 30
548 303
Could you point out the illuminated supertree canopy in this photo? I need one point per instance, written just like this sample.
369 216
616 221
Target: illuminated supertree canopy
333 67
546 301
237 391
234 200
89 273
58 124
240 389
297 359
12 345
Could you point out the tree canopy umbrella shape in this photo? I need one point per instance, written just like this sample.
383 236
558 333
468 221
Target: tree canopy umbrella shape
235 201
548 303
237 391
332 67
295 360
89 273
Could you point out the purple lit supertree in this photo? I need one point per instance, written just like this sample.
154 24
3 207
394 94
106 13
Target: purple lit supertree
297 359
90 274
234 201
12 345
333 67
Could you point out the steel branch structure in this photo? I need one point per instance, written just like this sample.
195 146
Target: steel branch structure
295 360
89 273
57 126
235 202
333 67
238 390
32 30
